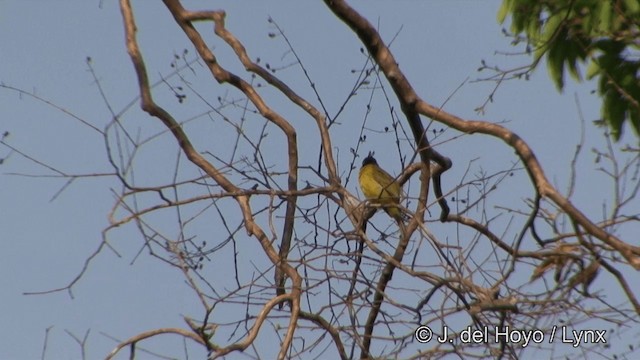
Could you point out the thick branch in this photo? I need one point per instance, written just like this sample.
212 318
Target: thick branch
149 334
415 105
534 169
404 92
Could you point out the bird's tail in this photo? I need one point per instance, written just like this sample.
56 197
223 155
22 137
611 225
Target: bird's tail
397 212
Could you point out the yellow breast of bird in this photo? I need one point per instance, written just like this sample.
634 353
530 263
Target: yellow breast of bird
378 186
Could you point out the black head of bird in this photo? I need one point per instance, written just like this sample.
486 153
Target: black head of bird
369 160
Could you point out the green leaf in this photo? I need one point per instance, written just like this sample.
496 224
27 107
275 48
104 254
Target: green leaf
556 68
574 52
610 47
597 33
613 111
634 117
551 27
504 10
627 81
604 19
556 58
632 6
592 70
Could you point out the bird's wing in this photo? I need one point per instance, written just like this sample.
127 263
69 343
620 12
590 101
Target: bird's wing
388 187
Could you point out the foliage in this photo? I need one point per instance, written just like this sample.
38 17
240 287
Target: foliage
603 35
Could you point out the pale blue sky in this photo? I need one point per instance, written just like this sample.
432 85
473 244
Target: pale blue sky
43 49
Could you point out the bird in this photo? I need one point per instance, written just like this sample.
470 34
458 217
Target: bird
379 187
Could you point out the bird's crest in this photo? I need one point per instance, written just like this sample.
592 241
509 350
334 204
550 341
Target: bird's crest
369 159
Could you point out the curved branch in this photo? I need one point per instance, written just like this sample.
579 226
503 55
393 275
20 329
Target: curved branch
253 67
412 105
335 334
148 334
405 94
536 174
194 156
253 332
